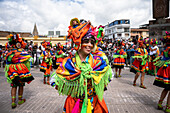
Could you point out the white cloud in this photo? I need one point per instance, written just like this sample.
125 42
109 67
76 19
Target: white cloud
21 15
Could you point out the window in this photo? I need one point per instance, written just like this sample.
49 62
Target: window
126 29
119 35
116 22
113 36
127 22
122 21
126 35
111 24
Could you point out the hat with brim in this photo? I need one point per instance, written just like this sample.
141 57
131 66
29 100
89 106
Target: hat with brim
74 19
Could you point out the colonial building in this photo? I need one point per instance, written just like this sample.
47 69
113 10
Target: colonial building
37 39
22 34
138 32
118 29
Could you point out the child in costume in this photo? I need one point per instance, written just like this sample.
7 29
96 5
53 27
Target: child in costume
162 78
83 76
140 63
154 55
17 69
119 56
46 65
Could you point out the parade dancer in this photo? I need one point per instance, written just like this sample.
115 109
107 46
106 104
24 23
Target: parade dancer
140 63
17 69
83 76
162 78
59 55
154 55
46 65
119 56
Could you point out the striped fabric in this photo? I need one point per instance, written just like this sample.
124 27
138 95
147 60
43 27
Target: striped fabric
17 69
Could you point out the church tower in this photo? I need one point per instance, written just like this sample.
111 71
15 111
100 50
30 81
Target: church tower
35 31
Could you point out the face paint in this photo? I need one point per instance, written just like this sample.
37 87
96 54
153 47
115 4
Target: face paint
86 41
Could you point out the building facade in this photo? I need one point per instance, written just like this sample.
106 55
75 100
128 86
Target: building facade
138 32
4 35
35 37
118 29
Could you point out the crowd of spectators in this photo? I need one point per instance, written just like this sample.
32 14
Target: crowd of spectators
108 46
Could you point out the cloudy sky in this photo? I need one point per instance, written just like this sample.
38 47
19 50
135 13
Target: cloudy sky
21 15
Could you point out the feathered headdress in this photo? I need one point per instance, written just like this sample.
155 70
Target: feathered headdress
45 44
7 45
146 41
140 41
120 43
49 44
100 33
15 41
78 33
166 38
153 41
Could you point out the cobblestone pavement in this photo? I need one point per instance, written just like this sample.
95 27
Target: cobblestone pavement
121 96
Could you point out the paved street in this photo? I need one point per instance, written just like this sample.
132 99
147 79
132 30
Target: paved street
121 96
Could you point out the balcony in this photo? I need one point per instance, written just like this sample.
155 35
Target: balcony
119 31
122 25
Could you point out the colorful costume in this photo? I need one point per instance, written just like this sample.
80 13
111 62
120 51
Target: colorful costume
59 55
119 60
46 65
162 78
99 52
140 63
154 55
83 82
17 69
